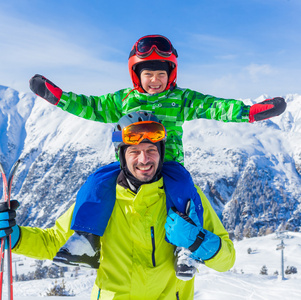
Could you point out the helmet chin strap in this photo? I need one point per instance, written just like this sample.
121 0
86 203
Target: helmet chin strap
136 183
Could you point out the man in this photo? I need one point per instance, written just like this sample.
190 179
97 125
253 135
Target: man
142 225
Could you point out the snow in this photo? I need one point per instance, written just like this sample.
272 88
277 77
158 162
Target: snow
242 282
78 244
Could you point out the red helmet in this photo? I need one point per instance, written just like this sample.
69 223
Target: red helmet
153 47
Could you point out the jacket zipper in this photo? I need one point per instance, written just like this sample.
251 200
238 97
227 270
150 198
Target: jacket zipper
177 295
153 245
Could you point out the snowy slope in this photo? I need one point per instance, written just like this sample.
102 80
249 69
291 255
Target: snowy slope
242 282
250 172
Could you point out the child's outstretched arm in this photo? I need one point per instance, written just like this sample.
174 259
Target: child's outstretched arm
229 110
106 108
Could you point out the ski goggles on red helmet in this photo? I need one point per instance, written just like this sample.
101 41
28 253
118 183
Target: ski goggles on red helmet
147 44
135 133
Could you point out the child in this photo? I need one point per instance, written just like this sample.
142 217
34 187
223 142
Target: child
153 70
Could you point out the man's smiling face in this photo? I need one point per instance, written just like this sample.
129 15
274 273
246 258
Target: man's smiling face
142 161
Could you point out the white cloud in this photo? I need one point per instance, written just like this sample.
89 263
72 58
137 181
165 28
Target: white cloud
24 43
256 71
27 48
240 81
219 46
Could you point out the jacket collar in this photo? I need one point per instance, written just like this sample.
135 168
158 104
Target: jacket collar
125 183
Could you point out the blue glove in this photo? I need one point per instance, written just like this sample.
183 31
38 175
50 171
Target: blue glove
8 223
182 231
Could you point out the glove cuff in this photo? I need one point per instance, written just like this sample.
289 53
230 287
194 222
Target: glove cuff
55 93
209 246
15 236
199 240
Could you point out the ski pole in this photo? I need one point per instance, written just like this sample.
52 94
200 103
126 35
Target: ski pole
7 184
2 253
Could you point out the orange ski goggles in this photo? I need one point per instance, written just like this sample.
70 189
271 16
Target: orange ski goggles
135 133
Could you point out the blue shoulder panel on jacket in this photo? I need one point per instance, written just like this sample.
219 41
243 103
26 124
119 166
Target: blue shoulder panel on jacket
179 188
95 200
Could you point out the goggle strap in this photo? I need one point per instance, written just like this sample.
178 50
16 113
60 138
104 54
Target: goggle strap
133 52
174 51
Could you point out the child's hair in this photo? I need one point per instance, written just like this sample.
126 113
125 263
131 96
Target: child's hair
152 65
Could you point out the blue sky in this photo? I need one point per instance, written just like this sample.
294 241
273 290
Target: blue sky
227 48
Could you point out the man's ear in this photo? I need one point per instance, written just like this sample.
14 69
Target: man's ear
121 155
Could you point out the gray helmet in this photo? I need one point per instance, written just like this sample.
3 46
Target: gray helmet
135 117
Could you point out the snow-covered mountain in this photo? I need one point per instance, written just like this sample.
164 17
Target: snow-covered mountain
250 172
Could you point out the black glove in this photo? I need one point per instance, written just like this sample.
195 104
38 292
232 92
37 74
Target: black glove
8 223
267 109
44 88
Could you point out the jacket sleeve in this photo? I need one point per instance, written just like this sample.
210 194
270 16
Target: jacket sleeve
44 243
197 105
225 258
106 108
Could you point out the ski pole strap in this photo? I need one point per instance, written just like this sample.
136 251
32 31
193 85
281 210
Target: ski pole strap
197 243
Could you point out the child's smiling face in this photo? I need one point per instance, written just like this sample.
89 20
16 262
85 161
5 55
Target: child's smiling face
154 82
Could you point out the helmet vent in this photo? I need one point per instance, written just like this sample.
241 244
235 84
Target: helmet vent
119 127
140 119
